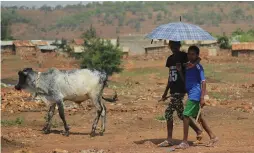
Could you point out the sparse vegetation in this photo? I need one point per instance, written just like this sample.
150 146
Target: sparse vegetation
224 42
160 118
17 121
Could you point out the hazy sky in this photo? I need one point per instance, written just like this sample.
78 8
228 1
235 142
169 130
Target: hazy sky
40 3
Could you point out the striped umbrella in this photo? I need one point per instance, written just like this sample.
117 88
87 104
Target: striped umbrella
179 31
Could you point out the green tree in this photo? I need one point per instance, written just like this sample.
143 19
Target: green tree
63 43
224 42
89 33
5 29
103 56
238 31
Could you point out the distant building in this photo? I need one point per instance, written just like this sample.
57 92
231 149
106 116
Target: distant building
155 48
24 48
40 42
44 46
126 51
46 49
7 46
243 49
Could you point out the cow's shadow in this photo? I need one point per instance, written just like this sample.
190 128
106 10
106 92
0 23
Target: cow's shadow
71 133
158 141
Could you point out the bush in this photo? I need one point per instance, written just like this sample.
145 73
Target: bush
239 31
224 42
103 56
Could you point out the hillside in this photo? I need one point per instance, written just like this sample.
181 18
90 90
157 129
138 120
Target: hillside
112 19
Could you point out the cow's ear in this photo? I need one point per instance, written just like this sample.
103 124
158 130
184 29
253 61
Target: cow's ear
20 72
28 69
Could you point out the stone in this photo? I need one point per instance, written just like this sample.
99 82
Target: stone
92 151
23 151
60 151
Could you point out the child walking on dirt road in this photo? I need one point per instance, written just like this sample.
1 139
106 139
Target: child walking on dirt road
177 92
196 86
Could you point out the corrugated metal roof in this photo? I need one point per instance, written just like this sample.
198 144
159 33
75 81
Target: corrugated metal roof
49 47
243 46
23 43
155 45
78 41
6 43
40 42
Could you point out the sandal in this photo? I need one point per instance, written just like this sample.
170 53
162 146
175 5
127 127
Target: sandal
182 145
199 138
212 142
165 143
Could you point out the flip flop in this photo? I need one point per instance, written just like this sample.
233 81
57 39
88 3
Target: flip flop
199 138
182 145
165 143
212 142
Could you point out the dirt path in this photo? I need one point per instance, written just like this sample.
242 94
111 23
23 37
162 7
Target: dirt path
131 131
132 126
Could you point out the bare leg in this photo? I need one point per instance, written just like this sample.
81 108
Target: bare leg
62 116
206 127
170 130
194 127
50 114
186 122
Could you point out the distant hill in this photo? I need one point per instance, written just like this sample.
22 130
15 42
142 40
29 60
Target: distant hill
112 19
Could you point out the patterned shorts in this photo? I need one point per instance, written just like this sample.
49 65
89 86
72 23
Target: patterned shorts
176 104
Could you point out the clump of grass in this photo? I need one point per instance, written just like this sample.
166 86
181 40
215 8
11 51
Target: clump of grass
17 121
160 118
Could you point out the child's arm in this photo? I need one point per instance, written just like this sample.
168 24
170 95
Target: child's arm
203 91
167 88
190 65
203 85
179 69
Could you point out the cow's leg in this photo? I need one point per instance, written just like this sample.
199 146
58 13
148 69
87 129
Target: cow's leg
50 115
97 102
62 116
103 119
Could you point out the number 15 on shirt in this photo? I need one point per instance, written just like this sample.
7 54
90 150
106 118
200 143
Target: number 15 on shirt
173 75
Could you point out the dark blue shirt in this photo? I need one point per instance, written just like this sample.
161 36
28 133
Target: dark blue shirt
193 79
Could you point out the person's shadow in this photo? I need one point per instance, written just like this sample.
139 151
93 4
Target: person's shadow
158 141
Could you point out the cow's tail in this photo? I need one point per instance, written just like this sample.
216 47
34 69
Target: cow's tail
114 98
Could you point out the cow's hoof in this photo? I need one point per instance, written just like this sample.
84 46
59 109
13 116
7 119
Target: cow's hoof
66 133
101 133
46 131
92 134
